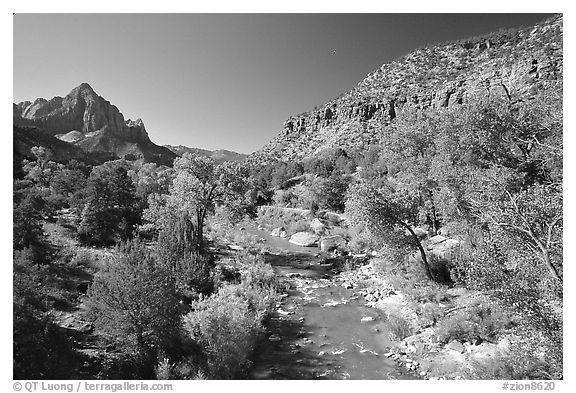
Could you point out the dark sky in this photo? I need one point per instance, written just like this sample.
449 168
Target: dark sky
222 81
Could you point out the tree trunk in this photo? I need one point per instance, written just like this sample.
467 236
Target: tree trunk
549 265
200 217
421 249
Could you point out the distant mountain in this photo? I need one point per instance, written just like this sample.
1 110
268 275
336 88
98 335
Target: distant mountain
514 63
91 123
216 155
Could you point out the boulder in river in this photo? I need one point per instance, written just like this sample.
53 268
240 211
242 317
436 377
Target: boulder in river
329 243
277 231
317 226
304 239
455 345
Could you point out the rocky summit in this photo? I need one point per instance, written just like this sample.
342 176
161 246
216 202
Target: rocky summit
513 63
88 121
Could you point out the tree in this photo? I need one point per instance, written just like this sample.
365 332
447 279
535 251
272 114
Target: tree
133 300
152 179
110 209
177 253
68 180
329 193
199 185
27 225
41 170
528 217
383 210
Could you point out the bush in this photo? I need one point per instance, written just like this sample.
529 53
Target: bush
430 314
255 272
399 327
227 324
227 328
41 350
361 239
520 283
475 323
531 357
84 258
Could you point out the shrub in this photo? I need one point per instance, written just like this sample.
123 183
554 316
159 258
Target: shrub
227 329
476 323
227 324
361 239
41 350
436 293
399 327
83 257
531 357
255 272
430 314
521 283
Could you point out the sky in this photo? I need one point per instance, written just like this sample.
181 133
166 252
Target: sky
222 81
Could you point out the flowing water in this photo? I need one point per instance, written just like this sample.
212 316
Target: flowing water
320 330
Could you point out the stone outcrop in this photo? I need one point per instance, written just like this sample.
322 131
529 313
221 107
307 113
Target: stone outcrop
443 248
317 226
92 123
510 64
304 239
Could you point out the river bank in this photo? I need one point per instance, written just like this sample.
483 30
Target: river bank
424 349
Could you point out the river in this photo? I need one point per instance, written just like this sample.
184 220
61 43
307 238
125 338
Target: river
320 330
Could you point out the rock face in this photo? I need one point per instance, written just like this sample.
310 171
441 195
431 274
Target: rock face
92 123
317 226
304 239
511 64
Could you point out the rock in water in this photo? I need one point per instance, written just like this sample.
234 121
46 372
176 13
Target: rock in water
304 239
456 346
329 243
317 226
277 231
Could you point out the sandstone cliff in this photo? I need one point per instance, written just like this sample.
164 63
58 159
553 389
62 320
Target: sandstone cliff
513 63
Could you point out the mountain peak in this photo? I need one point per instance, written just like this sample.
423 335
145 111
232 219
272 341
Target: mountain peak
92 123
84 90
84 86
